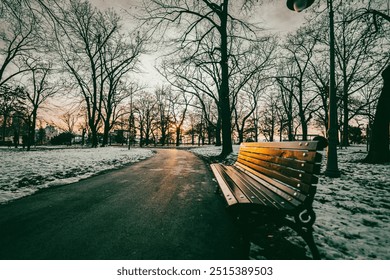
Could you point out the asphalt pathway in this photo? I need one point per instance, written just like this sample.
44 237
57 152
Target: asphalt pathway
160 208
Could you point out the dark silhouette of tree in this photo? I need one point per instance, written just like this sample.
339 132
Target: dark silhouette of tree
163 113
120 57
40 89
11 102
18 37
145 107
301 48
358 59
80 39
202 20
269 116
179 103
379 144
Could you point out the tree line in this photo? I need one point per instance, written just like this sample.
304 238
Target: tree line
225 75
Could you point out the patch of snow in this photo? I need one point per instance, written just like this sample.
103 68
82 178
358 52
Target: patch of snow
353 211
23 173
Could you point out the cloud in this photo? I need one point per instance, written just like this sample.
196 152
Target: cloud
278 18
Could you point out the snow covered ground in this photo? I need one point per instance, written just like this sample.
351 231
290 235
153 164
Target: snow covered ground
23 173
353 211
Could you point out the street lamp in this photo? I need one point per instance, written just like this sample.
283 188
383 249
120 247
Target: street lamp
131 118
332 169
299 5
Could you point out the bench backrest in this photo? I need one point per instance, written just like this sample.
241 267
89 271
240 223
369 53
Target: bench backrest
290 167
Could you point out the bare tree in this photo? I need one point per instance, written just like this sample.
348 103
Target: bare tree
359 58
69 120
163 117
301 50
18 28
288 113
120 56
144 108
249 74
195 119
269 116
179 102
98 56
39 89
319 77
247 102
81 37
11 102
202 20
379 144
201 82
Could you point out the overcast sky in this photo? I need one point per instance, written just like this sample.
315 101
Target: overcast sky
273 16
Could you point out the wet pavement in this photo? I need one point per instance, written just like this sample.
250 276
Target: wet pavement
164 207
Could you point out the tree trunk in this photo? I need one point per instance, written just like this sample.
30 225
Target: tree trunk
218 141
16 137
192 135
256 132
83 137
209 134
224 100
163 136
239 131
290 120
345 132
94 140
4 127
272 129
304 128
106 132
379 144
240 135
177 136
141 136
31 129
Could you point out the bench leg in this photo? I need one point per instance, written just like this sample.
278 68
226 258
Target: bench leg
242 245
242 235
307 234
309 239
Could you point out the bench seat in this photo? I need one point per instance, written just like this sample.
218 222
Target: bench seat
278 178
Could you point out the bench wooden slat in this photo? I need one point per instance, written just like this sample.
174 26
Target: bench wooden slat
307 156
248 189
301 145
261 193
244 185
223 185
276 185
313 168
218 172
265 192
296 184
281 169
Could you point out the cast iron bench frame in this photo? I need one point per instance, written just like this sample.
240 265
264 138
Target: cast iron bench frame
276 179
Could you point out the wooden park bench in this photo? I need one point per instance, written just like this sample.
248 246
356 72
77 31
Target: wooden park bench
274 180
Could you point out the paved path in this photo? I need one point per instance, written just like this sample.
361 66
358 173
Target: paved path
161 208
